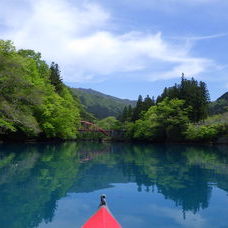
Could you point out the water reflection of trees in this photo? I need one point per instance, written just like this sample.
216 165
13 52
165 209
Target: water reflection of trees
32 180
34 176
181 173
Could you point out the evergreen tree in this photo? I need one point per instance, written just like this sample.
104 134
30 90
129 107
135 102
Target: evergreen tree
132 114
138 109
147 103
159 99
55 77
195 95
129 113
124 115
205 100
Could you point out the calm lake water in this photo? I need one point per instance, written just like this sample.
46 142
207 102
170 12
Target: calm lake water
58 185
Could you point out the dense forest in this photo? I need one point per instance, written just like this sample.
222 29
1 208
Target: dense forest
219 106
181 113
35 104
33 100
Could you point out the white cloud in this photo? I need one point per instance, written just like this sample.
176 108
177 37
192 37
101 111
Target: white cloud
191 220
79 38
201 37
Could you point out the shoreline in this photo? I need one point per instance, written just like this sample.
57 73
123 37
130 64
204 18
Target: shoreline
57 140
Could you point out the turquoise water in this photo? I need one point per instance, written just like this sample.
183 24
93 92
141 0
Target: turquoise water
58 185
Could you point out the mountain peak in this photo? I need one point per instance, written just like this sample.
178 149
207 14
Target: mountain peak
223 97
100 104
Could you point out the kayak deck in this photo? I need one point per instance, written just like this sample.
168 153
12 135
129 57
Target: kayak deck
103 218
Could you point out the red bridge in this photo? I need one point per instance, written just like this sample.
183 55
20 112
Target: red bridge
91 127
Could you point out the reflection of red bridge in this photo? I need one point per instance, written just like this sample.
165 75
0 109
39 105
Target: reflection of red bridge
91 127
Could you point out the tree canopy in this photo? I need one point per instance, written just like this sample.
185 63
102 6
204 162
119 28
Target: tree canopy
165 121
195 95
33 103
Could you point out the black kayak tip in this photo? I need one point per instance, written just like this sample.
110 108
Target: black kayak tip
103 200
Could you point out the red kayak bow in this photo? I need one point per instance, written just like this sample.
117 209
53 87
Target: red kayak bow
103 218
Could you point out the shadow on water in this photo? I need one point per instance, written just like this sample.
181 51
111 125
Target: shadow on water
33 177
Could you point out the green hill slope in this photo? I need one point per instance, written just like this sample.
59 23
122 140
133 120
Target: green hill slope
220 105
34 103
101 105
224 97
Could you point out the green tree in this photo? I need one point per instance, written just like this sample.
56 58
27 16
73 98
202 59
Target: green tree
166 121
147 103
29 103
109 123
137 110
124 115
55 77
129 113
195 95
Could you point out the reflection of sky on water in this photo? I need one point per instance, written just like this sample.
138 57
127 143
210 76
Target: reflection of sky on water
136 209
47 185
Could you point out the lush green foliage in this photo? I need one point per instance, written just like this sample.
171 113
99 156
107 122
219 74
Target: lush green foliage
169 121
109 123
55 77
99 104
179 114
58 115
217 119
195 95
165 121
32 103
209 130
219 106
134 113
203 133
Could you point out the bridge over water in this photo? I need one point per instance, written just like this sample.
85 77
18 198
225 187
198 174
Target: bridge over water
91 127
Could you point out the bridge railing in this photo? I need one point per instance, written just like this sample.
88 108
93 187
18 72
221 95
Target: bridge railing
91 127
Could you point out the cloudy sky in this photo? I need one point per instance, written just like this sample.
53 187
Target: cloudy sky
125 47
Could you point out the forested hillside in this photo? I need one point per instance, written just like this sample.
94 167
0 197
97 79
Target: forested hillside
220 105
34 103
180 113
101 105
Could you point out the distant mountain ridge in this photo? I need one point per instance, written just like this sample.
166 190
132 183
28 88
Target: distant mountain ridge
219 106
224 97
100 104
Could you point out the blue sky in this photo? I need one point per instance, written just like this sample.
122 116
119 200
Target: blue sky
125 47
